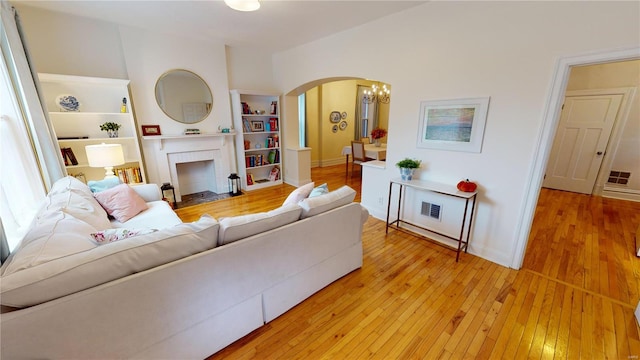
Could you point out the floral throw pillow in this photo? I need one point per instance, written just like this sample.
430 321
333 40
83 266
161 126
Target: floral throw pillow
111 235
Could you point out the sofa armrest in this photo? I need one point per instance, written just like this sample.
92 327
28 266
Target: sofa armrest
149 192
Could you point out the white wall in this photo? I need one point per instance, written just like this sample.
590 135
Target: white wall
72 45
448 50
148 56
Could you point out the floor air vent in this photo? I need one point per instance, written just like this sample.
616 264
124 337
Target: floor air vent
431 210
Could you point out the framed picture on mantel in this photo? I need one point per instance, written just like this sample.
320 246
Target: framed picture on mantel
456 125
150 130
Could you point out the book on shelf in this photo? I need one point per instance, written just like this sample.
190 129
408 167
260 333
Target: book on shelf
246 109
246 127
129 175
273 124
69 157
274 174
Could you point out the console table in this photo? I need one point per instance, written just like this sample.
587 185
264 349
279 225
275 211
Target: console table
463 242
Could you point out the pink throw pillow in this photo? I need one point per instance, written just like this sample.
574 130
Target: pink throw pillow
299 194
121 202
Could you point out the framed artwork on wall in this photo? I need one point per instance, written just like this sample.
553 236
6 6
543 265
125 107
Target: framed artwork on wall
456 124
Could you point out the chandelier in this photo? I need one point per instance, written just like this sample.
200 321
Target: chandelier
377 94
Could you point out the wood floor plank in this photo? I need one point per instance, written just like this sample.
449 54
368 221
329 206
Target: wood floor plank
573 298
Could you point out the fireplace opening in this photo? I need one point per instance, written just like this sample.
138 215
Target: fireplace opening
196 177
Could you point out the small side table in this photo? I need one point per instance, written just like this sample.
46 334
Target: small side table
463 242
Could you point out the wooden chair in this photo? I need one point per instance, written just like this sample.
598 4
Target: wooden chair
365 140
358 155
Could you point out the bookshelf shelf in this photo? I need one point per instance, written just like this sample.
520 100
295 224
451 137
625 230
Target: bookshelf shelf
100 101
258 140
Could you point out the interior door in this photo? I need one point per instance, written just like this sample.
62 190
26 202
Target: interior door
581 139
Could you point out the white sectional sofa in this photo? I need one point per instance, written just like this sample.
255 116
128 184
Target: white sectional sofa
184 291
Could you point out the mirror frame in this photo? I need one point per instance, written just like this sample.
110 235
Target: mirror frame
159 103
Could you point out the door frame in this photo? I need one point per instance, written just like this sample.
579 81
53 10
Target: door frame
545 138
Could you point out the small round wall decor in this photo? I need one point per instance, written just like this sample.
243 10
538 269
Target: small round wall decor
334 117
344 115
343 125
334 128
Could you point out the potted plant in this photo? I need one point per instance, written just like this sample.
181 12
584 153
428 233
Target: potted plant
377 134
111 128
407 167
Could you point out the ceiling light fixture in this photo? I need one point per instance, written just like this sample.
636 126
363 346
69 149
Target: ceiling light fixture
243 5
381 95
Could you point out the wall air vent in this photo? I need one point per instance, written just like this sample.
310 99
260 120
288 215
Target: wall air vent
431 210
619 177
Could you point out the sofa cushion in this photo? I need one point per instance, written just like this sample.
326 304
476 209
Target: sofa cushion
158 215
73 197
100 185
121 202
55 235
299 194
68 273
242 226
319 204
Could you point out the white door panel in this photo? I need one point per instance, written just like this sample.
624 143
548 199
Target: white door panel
578 149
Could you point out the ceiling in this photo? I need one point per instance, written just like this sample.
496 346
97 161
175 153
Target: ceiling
278 25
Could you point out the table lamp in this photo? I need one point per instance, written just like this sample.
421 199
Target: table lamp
105 155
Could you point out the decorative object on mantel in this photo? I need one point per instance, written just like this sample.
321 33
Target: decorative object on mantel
151 130
407 167
123 107
377 134
192 131
68 103
467 186
111 128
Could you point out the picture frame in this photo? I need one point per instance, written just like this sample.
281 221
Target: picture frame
151 130
257 125
455 124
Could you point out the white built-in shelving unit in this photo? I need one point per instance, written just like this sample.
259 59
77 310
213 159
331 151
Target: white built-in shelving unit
100 101
258 141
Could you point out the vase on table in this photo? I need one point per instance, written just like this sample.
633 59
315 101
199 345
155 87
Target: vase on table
112 133
406 174
377 143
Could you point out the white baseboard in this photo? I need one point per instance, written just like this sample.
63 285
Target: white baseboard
622 194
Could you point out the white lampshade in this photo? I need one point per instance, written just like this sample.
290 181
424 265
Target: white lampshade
243 5
105 155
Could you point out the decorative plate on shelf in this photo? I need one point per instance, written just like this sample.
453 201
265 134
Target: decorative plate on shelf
343 125
68 103
335 117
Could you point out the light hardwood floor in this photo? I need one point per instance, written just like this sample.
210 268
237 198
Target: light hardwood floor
573 298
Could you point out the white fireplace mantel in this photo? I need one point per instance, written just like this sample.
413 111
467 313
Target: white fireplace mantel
162 138
170 150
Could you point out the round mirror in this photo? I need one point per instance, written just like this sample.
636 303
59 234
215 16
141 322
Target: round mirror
183 96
